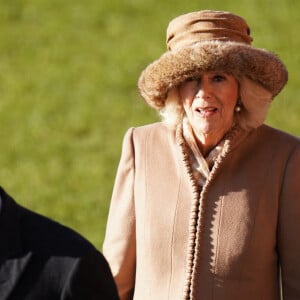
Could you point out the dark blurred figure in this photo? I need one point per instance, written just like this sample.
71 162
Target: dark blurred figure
41 259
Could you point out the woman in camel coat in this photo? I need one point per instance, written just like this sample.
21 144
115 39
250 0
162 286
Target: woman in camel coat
206 203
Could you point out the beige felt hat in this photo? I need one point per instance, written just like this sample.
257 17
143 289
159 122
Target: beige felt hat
209 41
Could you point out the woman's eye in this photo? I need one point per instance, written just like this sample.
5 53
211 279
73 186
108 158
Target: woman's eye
219 78
193 78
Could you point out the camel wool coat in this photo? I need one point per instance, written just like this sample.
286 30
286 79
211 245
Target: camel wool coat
236 239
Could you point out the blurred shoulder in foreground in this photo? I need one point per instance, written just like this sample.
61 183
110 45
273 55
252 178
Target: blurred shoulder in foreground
42 259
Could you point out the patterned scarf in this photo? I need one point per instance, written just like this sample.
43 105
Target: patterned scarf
201 166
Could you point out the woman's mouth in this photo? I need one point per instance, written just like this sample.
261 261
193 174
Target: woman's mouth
206 112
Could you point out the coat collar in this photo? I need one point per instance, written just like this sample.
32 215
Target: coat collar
12 259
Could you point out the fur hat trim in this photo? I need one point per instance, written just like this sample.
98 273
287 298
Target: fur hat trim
238 59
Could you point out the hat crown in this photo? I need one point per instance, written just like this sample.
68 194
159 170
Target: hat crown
206 25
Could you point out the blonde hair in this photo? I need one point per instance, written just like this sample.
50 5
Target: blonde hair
172 113
255 101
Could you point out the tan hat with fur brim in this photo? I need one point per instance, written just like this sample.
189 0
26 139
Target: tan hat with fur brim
209 41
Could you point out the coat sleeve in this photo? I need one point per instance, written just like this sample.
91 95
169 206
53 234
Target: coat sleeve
90 278
119 246
289 227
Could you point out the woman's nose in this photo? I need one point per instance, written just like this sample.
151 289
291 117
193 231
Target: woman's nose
204 89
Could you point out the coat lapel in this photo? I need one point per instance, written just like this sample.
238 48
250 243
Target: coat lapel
12 260
10 272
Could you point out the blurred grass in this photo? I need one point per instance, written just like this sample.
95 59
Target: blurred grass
68 72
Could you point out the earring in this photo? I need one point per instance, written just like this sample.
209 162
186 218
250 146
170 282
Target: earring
238 106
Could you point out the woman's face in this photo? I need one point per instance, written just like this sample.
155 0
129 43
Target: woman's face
209 101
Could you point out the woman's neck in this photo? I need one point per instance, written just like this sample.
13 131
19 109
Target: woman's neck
207 142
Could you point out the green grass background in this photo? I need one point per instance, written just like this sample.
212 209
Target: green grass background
68 73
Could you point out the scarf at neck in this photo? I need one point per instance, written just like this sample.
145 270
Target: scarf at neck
201 166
